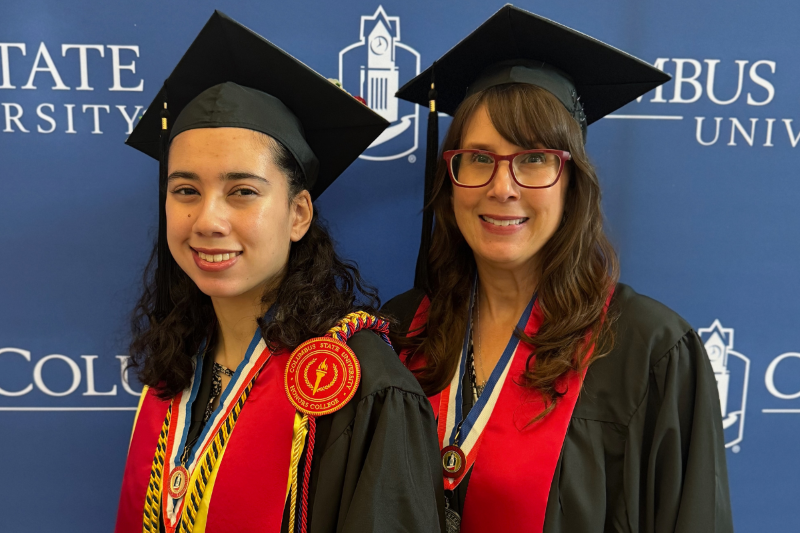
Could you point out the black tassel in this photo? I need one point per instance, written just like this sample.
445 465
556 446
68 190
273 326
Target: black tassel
421 279
164 303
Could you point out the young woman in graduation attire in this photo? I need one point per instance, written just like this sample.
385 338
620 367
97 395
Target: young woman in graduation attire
272 401
566 402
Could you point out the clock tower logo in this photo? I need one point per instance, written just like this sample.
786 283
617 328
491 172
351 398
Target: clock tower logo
732 372
374 68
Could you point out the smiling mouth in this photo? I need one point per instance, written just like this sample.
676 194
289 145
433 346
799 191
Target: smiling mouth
508 222
217 258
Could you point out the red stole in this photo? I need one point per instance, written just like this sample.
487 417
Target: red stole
149 420
250 489
515 462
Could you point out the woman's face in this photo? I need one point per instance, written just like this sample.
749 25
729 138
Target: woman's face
535 214
230 222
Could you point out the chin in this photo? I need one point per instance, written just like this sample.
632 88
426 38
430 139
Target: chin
221 290
505 256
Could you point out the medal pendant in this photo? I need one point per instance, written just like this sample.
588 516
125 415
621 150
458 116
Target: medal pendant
452 521
453 461
178 482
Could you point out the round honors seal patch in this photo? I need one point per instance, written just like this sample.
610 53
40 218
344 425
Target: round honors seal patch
322 375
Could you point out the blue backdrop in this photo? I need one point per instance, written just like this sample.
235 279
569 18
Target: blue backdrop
701 196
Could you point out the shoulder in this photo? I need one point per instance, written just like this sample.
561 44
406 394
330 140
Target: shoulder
645 325
380 366
645 332
403 308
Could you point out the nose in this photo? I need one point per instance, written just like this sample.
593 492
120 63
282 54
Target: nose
503 187
212 220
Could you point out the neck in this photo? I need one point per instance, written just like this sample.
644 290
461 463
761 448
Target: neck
237 321
504 293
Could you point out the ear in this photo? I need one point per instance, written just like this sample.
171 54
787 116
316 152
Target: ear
303 213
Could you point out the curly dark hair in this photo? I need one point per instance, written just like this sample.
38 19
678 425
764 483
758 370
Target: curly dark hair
319 288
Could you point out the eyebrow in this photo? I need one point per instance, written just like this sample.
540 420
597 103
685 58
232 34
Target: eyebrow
489 148
478 146
228 176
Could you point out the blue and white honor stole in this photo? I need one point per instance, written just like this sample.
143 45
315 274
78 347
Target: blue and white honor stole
256 356
454 429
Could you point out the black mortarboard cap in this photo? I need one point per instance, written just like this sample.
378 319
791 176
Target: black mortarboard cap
334 125
232 77
591 79
605 78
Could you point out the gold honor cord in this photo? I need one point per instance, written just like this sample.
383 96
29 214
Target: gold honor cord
209 461
341 332
152 500
338 331
298 444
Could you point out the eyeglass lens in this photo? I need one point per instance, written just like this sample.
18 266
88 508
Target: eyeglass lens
532 169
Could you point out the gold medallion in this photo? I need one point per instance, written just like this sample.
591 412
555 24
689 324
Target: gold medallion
453 461
178 482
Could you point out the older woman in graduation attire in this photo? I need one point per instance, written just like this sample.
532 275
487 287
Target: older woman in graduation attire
566 401
272 401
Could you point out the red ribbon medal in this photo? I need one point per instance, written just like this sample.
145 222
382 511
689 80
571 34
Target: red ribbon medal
178 482
453 461
322 375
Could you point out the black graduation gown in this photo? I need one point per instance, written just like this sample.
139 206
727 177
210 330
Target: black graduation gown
644 451
376 461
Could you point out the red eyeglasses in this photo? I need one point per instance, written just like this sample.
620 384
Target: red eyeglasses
531 169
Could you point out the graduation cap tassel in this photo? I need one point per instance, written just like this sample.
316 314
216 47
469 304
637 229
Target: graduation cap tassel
421 280
163 297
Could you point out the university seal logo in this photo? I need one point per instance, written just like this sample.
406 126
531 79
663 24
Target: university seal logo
322 375
732 371
373 69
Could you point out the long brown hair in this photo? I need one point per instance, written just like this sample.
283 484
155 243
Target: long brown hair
579 265
318 289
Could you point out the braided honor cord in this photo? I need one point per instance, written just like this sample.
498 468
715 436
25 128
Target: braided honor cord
357 321
152 500
345 329
195 495
209 461
297 452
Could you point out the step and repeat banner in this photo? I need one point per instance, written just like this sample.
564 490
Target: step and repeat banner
700 177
